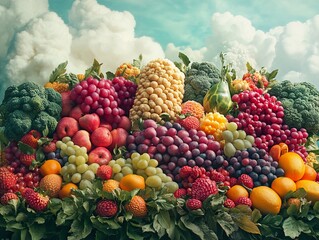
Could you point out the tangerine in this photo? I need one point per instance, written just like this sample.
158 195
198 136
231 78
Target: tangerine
137 206
132 181
50 166
266 200
66 190
110 185
311 187
51 184
310 173
236 192
283 185
293 165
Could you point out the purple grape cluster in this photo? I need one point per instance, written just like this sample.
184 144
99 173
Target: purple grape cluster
174 147
126 91
56 155
257 164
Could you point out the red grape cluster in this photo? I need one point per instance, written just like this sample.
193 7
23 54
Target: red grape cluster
100 97
261 116
126 91
26 177
174 147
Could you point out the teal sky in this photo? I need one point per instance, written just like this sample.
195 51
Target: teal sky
187 22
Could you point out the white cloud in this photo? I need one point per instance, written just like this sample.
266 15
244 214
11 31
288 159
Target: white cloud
172 51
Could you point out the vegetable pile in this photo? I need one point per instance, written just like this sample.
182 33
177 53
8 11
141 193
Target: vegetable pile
180 150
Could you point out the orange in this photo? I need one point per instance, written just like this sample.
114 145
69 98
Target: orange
283 185
293 165
284 148
310 173
265 200
137 206
236 192
110 185
132 181
311 187
50 167
66 190
51 184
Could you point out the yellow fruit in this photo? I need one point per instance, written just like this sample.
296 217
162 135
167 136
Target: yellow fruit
66 190
110 185
137 206
283 185
265 200
131 182
59 87
50 167
293 165
236 192
311 187
310 173
51 184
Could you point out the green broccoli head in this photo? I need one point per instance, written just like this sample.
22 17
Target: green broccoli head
11 92
44 123
31 89
292 117
199 79
17 124
310 120
53 96
54 110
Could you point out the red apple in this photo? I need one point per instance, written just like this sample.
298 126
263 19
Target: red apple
125 123
67 126
101 137
100 155
76 112
106 125
82 139
89 122
119 136
67 103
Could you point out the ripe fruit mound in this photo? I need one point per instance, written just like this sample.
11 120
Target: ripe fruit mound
293 165
202 188
283 185
311 187
265 200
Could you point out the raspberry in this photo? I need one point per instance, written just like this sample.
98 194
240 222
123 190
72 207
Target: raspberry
193 204
31 138
229 203
27 159
246 181
104 172
197 172
7 197
217 176
244 201
106 208
232 181
185 171
202 188
180 193
189 122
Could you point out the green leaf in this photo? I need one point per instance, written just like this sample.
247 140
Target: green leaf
25 148
37 231
94 70
58 72
272 75
274 220
165 117
226 222
193 227
293 228
72 80
245 223
184 58
256 215
109 75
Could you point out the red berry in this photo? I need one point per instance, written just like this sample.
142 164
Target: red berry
31 138
189 122
245 180
229 203
180 193
106 208
244 201
7 180
202 188
217 176
193 204
7 197
104 172
49 147
27 159
35 200
185 172
232 181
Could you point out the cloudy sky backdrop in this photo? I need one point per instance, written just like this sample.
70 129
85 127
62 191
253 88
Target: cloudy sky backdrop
37 35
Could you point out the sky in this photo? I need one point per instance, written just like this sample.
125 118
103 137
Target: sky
37 35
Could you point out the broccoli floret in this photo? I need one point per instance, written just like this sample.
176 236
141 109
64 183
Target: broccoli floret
53 96
199 79
54 110
16 125
310 118
11 92
44 123
31 89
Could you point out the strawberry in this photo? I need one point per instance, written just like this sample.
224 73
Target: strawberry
193 204
27 159
31 138
202 188
232 181
4 200
106 208
229 203
104 172
245 180
180 193
197 172
244 201
217 176
49 147
189 122
185 171
7 180
35 200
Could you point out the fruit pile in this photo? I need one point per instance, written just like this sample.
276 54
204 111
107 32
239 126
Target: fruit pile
128 152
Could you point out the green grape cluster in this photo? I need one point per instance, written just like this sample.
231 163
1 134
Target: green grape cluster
76 170
235 139
145 166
